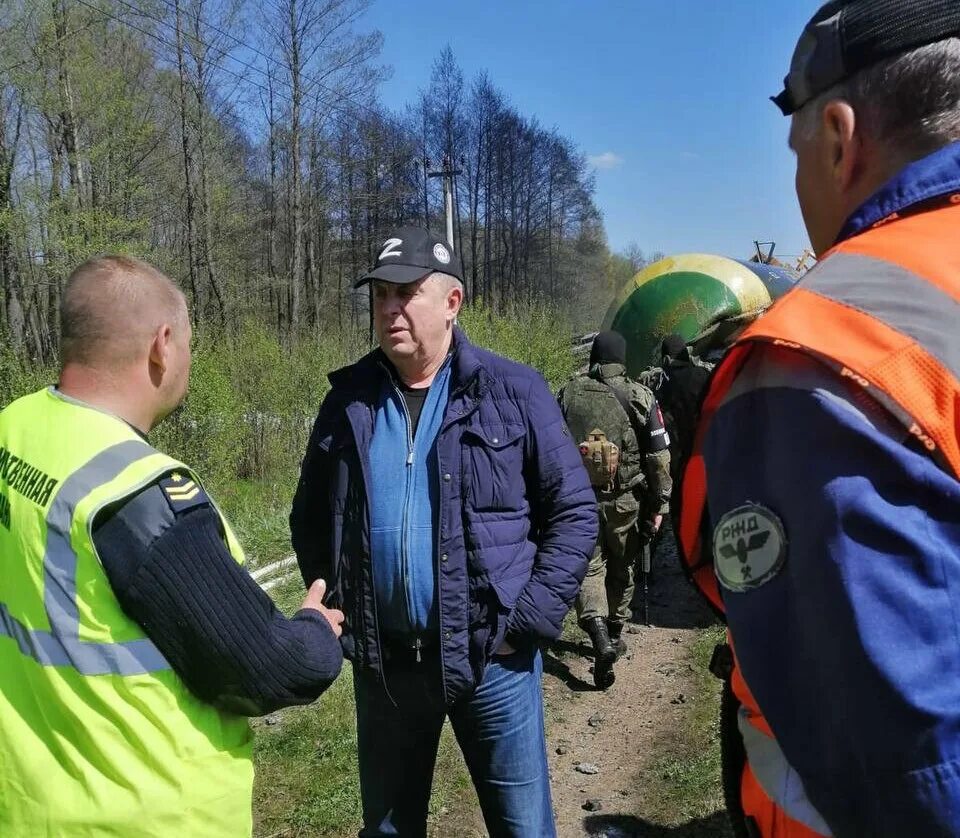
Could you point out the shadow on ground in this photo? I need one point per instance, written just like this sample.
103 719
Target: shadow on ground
628 826
552 665
571 647
672 603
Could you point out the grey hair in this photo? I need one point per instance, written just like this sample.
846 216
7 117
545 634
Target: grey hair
909 103
449 279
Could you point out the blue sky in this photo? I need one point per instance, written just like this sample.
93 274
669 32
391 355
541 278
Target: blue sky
669 98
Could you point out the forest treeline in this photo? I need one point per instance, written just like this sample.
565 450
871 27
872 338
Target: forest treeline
242 145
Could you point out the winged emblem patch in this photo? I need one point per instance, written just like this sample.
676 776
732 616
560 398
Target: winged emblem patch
749 547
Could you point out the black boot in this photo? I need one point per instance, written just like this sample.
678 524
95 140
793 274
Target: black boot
604 654
615 630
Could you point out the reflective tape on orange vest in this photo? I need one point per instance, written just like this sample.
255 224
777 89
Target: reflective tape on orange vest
780 783
769 820
887 330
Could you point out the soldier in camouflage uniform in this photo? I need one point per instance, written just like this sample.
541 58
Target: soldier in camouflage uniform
678 384
632 497
685 378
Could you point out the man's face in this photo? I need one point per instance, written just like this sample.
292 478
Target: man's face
413 320
822 180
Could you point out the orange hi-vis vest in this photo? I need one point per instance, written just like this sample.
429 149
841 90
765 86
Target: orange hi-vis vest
882 310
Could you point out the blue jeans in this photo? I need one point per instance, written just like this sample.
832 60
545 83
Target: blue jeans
499 729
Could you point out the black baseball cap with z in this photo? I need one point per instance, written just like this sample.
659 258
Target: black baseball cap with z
410 254
846 36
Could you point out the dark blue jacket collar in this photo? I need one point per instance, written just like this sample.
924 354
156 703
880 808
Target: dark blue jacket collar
933 176
367 373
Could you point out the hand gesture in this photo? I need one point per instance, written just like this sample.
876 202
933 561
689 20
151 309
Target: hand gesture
314 600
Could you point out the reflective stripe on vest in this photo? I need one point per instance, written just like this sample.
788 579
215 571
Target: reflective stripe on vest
777 778
97 733
891 332
62 646
881 312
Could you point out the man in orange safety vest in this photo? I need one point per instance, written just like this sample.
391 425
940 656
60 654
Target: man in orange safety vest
821 504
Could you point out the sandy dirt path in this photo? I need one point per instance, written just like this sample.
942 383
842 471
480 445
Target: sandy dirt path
621 734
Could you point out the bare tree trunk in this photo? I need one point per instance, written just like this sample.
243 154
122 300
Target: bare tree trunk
195 302
426 164
457 220
272 291
550 277
310 267
488 232
39 301
296 208
10 294
527 239
68 117
35 268
475 211
205 214
321 234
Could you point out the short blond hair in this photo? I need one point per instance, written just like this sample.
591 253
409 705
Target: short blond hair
111 305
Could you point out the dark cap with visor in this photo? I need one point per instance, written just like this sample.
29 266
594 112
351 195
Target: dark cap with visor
409 255
846 36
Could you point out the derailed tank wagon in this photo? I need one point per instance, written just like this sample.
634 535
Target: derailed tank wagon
707 300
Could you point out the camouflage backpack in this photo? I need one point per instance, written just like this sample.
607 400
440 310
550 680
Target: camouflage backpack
601 421
601 459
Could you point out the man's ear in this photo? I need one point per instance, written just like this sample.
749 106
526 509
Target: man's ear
454 302
160 348
843 144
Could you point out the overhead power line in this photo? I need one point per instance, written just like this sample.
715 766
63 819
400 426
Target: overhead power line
228 55
51 45
266 56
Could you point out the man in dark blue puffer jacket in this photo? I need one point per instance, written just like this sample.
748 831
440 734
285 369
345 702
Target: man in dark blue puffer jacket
445 503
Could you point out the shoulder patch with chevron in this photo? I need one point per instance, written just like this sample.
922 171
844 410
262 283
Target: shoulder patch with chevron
182 492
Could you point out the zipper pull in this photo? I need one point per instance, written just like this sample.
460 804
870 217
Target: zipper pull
410 458
416 645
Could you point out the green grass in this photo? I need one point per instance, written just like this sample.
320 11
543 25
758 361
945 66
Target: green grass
258 513
306 769
307 775
306 764
684 781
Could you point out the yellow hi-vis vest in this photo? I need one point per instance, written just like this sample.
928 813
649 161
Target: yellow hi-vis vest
98 735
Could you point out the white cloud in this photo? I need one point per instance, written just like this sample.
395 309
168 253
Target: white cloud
607 160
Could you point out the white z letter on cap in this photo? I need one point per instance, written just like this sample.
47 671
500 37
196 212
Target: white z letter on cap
389 249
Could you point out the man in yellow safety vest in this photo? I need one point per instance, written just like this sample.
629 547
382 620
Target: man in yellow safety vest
133 644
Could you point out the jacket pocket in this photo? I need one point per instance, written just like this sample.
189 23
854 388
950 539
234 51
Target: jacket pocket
508 590
506 593
493 467
627 502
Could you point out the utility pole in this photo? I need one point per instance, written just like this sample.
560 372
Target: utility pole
448 174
